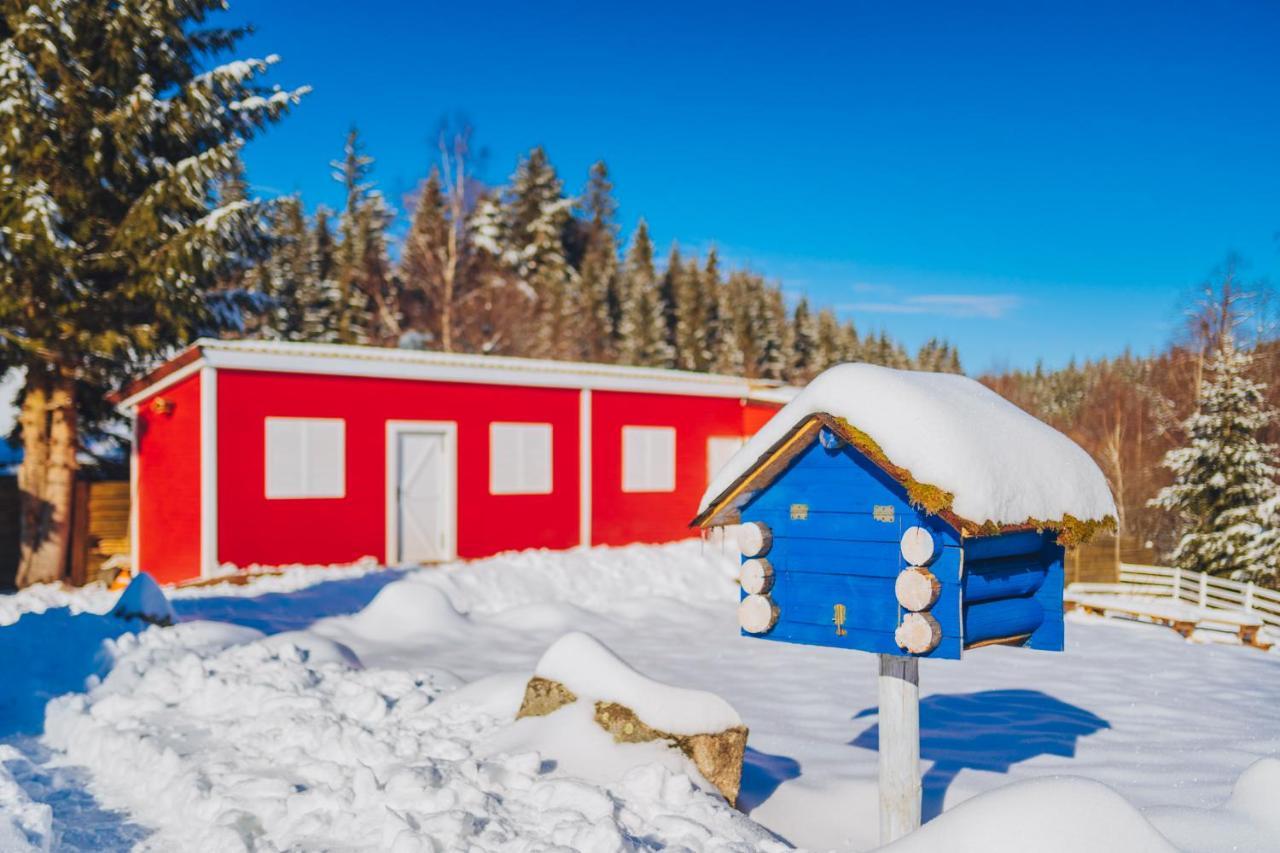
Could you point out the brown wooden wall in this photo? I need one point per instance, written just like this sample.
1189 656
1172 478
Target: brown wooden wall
1099 560
99 529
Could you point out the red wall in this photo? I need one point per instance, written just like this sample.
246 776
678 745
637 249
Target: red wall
756 415
252 529
618 517
169 484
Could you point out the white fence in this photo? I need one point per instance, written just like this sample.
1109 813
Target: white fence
1201 590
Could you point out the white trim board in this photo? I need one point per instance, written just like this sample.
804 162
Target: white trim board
208 471
390 363
391 505
127 404
584 468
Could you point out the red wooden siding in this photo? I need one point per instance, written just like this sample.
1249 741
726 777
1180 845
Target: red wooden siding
618 517
169 484
755 415
252 529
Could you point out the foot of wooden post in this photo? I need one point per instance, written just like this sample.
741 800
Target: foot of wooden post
899 746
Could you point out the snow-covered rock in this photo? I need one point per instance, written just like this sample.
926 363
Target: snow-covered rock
604 693
1001 464
591 671
143 599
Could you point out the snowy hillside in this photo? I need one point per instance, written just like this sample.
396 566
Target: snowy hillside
367 709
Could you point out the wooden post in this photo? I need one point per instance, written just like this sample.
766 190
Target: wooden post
1248 597
1177 584
1204 589
899 746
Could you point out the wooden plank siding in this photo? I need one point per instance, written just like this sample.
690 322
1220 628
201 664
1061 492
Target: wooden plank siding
99 529
830 548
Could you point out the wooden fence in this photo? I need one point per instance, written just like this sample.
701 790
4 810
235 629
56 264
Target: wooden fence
99 529
1201 590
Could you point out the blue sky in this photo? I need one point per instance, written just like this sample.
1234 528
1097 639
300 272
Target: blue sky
1032 182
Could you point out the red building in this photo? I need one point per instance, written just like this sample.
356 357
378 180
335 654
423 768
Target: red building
265 453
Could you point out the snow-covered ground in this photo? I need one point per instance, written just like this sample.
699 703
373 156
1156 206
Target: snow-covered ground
355 708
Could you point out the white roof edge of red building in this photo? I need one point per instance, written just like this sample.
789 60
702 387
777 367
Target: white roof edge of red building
394 363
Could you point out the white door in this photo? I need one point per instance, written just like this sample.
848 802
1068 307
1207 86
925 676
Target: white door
424 496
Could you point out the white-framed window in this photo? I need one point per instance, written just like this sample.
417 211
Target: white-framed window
519 459
306 457
720 448
648 459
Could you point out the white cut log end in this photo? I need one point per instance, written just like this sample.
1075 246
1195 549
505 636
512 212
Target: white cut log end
918 546
756 576
754 539
917 588
757 614
918 634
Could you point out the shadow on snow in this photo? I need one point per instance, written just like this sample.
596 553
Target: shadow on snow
296 610
762 773
991 730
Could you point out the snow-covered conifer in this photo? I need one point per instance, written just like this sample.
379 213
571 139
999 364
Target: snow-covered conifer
537 213
601 304
804 346
1224 490
643 329
365 311
119 122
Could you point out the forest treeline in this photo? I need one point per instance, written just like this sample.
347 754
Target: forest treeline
528 269
1146 422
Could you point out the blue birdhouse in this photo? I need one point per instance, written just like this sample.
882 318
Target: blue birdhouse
893 512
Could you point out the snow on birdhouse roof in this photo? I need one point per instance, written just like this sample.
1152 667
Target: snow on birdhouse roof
961 450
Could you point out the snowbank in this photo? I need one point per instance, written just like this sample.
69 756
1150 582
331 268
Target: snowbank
1053 815
952 432
592 672
224 741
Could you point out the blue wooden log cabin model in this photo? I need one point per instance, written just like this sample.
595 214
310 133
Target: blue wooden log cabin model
843 546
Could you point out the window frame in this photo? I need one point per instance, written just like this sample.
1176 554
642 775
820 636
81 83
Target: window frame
302 441
642 482
525 487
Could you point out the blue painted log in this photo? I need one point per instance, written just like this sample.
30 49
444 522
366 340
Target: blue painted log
1005 578
1006 617
989 547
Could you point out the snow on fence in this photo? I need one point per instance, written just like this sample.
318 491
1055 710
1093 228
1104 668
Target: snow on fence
1199 589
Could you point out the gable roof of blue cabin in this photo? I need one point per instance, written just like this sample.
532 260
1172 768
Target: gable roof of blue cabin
726 507
840 488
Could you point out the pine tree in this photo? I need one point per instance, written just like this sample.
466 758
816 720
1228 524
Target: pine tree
366 311
536 216
672 297
643 330
423 262
721 351
319 295
774 334
828 341
283 277
601 305
804 347
113 140
854 348
1224 490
